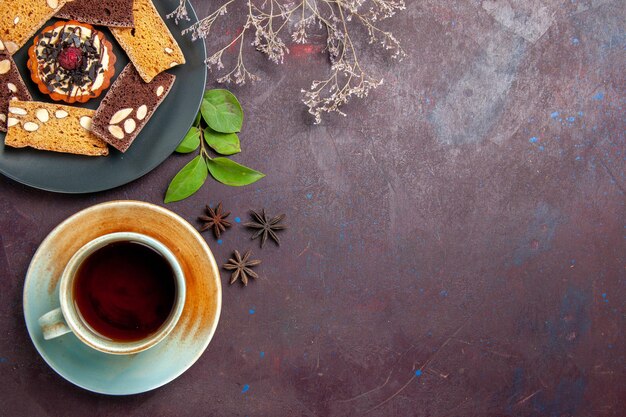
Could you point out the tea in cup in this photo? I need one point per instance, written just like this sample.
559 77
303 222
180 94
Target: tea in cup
120 293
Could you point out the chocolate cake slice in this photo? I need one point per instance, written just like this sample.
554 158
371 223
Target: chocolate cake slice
11 85
128 106
115 13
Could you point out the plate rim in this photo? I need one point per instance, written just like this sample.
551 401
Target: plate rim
112 205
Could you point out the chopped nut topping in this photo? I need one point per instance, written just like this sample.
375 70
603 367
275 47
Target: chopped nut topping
17 110
42 115
120 115
85 122
5 66
142 111
60 114
30 126
11 46
116 131
129 126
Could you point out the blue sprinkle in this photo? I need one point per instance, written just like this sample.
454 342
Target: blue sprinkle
580 114
575 41
418 372
603 295
262 354
599 96
251 311
309 195
579 158
2 360
554 115
245 389
533 140
422 290
237 220
541 148
571 119
220 241
443 293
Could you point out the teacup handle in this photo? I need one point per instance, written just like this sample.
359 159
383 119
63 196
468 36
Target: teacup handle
53 324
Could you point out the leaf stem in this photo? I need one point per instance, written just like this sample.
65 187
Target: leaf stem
203 152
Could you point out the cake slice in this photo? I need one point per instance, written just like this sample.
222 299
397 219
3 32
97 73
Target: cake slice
20 19
11 85
149 45
112 13
53 127
128 106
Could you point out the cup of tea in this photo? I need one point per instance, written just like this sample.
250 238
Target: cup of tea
120 293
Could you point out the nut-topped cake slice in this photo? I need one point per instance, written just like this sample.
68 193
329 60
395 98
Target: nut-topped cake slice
20 19
128 106
53 127
11 85
149 45
112 13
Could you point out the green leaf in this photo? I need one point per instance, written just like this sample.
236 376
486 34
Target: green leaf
190 142
231 173
222 143
221 111
196 122
187 181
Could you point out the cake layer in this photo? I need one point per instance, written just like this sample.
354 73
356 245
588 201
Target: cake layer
20 19
112 13
149 45
53 127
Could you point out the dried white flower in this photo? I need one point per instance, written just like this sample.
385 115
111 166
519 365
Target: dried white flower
266 19
180 13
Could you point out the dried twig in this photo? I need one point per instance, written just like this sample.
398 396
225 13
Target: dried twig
265 22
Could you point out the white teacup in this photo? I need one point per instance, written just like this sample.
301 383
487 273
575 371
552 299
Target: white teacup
68 318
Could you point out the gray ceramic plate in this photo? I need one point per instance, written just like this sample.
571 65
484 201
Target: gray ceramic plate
80 174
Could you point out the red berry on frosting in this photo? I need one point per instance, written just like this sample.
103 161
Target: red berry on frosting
70 58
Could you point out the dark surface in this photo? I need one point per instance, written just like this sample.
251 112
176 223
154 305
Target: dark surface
428 231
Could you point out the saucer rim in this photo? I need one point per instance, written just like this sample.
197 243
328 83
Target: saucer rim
132 203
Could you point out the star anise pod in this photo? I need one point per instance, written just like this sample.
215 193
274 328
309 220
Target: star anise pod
266 227
215 219
241 267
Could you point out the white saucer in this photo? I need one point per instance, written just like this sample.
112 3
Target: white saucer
126 374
